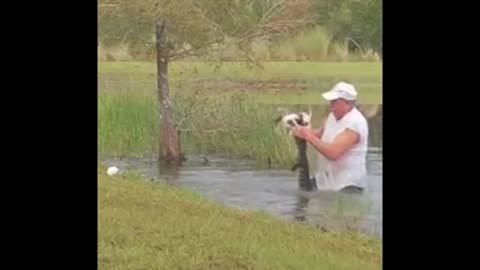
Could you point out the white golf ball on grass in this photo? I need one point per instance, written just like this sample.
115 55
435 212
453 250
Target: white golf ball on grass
112 170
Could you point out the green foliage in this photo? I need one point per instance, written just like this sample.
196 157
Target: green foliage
310 45
193 26
360 20
225 28
370 22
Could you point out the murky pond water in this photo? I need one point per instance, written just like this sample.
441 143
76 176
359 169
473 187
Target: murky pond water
238 184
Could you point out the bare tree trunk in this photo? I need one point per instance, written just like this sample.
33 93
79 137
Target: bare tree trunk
169 140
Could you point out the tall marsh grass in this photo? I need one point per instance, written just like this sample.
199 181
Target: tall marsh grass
114 53
127 122
317 44
235 126
228 124
312 45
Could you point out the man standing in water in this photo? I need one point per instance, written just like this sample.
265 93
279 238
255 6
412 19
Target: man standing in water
341 144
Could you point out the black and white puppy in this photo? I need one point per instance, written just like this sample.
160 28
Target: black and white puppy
290 120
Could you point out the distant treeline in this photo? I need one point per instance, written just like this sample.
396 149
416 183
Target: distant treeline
340 30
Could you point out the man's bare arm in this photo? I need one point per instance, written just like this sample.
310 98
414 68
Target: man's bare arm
333 151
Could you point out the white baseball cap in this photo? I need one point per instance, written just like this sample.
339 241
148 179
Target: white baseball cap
341 90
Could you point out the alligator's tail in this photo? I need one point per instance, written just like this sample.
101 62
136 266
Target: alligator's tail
304 181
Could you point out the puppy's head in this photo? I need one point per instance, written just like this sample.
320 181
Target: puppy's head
304 119
291 120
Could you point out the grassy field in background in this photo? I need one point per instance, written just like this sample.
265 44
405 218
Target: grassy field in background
287 82
143 225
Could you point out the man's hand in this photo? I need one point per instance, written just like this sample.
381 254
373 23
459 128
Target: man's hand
303 132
